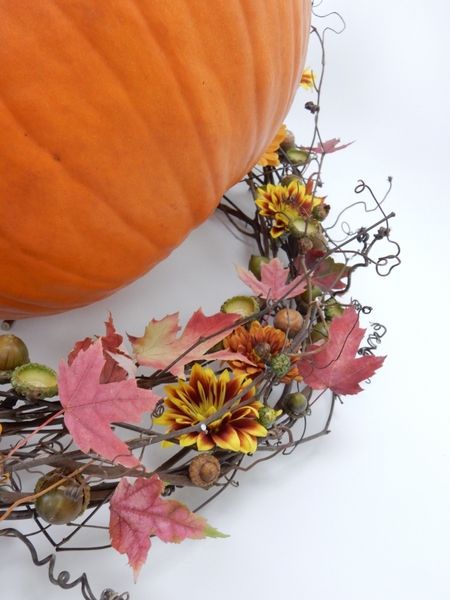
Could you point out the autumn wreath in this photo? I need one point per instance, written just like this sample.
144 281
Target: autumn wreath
229 389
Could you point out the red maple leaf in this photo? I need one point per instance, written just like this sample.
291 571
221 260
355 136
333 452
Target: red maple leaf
90 406
336 366
118 364
137 512
159 347
273 284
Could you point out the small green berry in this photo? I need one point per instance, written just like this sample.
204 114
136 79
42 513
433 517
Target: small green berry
280 364
268 416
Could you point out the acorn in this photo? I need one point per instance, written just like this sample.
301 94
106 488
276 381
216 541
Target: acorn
35 381
287 179
254 264
319 332
245 306
319 242
304 245
13 353
204 470
263 352
288 320
62 504
289 141
320 212
296 405
304 299
280 364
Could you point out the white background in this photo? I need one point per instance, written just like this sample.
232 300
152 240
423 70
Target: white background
363 513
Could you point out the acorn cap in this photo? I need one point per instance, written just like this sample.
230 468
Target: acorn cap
245 306
298 227
35 381
298 157
204 470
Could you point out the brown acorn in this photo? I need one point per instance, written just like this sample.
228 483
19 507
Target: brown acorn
13 353
263 352
204 470
289 141
288 320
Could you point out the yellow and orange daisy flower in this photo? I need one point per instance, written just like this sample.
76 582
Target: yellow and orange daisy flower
307 80
245 341
189 403
284 204
270 156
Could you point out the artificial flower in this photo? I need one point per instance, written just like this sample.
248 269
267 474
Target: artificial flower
307 80
283 204
259 344
270 156
190 403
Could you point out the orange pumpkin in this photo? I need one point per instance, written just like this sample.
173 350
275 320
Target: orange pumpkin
123 122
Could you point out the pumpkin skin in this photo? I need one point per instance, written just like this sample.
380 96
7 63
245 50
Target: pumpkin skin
123 123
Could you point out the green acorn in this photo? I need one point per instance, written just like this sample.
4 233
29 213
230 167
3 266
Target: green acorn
319 332
320 212
287 179
13 353
245 306
35 381
310 295
296 405
64 503
254 264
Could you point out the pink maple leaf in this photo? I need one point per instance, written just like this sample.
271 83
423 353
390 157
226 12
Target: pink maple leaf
118 364
137 512
273 284
328 147
159 347
336 366
91 406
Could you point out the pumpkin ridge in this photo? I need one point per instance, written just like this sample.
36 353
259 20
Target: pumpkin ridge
208 155
251 54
